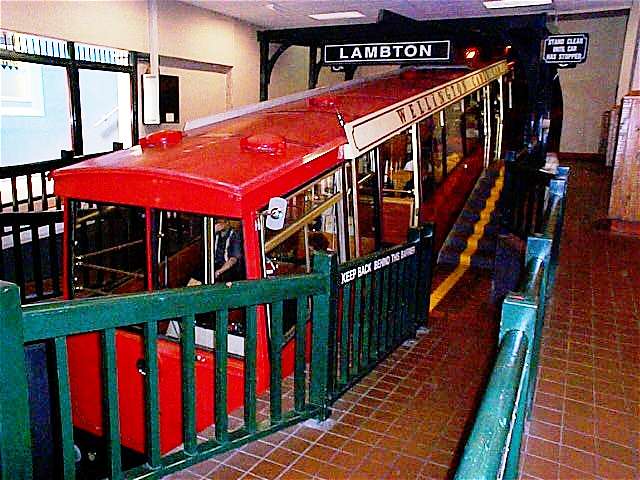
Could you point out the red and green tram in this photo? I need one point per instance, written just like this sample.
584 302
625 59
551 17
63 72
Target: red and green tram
251 194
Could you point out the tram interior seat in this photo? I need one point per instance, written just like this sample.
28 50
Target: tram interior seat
396 219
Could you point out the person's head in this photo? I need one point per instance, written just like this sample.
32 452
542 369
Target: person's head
318 242
221 225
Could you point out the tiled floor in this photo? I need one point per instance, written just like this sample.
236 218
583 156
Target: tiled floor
586 418
405 420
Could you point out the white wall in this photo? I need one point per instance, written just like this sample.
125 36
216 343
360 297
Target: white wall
590 88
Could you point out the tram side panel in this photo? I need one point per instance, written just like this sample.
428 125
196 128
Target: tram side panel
85 360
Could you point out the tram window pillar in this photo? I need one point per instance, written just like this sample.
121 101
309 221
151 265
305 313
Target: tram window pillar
443 142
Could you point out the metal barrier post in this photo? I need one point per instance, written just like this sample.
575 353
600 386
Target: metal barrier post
15 432
425 272
322 355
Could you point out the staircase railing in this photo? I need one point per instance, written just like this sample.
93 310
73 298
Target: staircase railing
523 197
493 448
31 226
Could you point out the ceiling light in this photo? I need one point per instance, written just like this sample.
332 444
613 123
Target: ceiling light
515 3
337 15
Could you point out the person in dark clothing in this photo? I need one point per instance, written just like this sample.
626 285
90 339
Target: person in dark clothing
228 252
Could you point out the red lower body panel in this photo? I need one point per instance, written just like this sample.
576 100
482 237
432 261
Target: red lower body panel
85 360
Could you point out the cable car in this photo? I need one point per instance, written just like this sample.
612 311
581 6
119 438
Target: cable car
251 194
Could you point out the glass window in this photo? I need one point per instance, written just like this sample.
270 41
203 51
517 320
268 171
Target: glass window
454 125
194 250
368 203
438 147
108 249
428 156
472 119
398 191
494 116
311 224
396 156
34 113
105 100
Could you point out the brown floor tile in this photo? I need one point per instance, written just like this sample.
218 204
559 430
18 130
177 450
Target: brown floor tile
546 431
539 467
578 459
567 473
580 394
241 461
615 434
320 452
296 444
608 469
406 467
268 470
579 424
224 472
547 415
307 465
545 400
293 474
616 452
579 441
542 448
258 448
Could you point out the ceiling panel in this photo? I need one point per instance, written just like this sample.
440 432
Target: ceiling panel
274 14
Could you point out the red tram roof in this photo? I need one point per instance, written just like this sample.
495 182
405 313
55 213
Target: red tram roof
210 171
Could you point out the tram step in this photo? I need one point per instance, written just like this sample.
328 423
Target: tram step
459 242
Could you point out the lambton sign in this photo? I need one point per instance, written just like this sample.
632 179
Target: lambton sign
363 53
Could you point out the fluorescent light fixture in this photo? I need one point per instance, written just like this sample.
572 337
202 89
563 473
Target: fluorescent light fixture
515 3
337 15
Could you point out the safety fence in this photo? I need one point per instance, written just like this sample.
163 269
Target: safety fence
381 303
73 329
31 226
493 448
523 198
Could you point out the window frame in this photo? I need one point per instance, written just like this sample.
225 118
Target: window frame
19 47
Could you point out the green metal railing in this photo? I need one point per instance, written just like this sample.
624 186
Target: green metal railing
381 302
400 276
493 448
55 322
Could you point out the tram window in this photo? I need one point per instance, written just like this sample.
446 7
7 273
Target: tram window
438 146
428 151
453 115
398 191
494 116
472 123
311 224
182 259
108 249
180 249
368 202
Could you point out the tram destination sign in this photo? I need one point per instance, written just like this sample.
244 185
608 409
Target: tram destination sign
566 50
400 52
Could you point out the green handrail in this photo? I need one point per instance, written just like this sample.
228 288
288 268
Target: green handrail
493 448
485 453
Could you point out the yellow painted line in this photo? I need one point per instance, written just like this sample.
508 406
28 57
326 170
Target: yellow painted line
472 245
